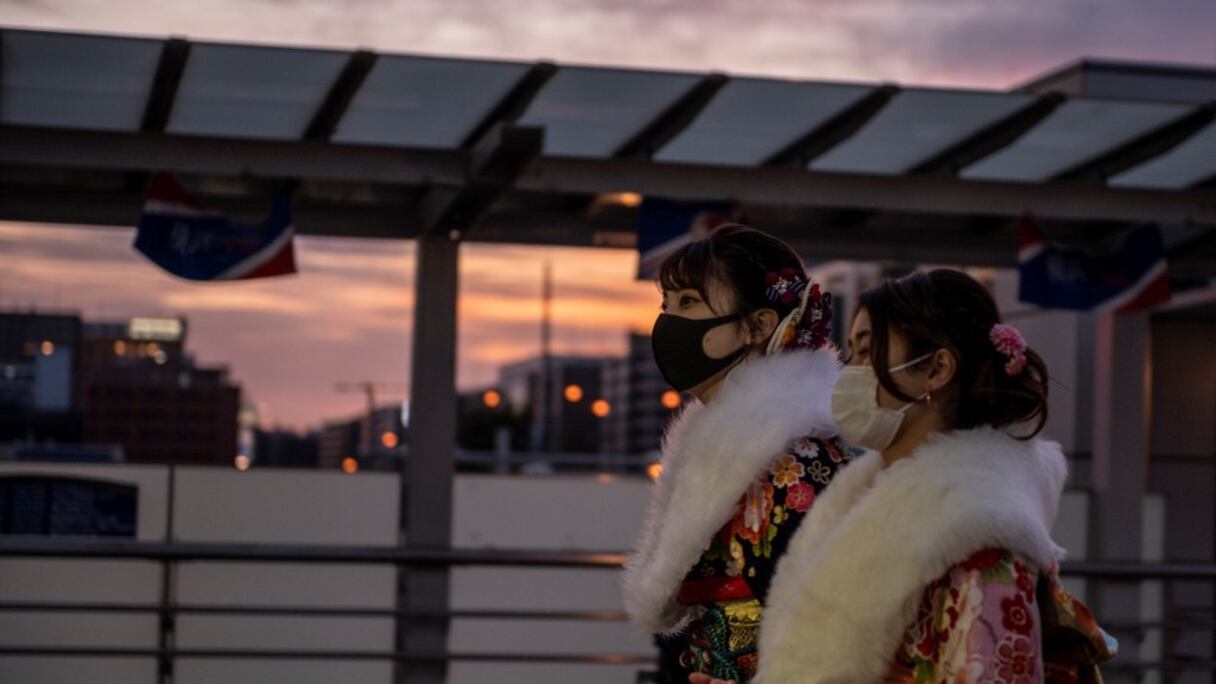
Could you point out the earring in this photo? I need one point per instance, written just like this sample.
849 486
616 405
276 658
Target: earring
929 398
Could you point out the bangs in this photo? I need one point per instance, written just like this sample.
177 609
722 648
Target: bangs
689 268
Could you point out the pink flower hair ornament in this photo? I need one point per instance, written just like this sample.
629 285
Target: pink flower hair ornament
1010 343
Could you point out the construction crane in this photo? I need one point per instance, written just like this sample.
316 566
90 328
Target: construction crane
369 390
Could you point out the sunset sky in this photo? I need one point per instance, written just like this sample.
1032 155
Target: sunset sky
347 315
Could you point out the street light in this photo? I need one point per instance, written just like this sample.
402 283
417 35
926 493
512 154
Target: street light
670 399
654 471
492 399
573 394
241 462
350 466
389 440
600 408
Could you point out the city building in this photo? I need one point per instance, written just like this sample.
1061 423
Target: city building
377 441
562 398
643 403
285 449
73 390
39 388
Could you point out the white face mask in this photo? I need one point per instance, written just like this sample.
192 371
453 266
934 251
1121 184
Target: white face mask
861 420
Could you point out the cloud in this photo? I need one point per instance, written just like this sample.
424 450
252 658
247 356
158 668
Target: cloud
993 43
345 317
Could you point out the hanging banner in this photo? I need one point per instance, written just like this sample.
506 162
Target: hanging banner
192 242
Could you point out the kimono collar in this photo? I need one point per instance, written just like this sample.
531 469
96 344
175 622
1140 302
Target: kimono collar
849 584
711 454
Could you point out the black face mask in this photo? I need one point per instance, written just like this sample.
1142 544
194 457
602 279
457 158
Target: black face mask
679 349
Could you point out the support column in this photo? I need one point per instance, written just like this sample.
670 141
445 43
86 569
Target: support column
1121 398
426 479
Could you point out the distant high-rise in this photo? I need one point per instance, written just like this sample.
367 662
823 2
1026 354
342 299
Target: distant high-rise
565 404
342 439
124 388
39 390
144 392
644 403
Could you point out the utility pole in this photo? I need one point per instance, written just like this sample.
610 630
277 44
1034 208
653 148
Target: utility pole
546 355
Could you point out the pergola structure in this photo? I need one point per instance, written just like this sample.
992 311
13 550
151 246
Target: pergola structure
449 150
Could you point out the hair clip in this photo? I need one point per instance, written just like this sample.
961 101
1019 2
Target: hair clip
1009 342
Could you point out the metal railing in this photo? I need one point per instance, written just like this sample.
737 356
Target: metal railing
172 552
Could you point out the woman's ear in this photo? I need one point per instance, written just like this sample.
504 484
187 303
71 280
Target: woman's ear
941 372
763 324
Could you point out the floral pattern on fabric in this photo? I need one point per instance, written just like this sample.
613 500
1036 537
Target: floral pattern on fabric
993 619
977 625
722 633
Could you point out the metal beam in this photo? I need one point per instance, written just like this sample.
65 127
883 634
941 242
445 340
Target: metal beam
327 117
494 164
310 160
428 473
513 104
431 658
923 194
988 140
1141 149
833 131
163 94
498 152
668 124
921 239
92 151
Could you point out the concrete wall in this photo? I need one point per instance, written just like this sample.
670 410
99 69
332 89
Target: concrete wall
1184 470
216 505
594 513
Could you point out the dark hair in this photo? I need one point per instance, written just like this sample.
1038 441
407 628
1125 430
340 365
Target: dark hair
739 258
948 309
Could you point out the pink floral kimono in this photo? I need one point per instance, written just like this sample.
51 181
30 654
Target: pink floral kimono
937 569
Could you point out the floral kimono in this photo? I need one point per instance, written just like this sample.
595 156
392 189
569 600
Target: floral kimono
740 473
993 619
940 568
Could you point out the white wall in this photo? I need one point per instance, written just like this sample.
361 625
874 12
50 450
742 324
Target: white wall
561 513
86 581
216 505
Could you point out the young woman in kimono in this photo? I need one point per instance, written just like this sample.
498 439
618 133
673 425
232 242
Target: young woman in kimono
745 334
929 559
